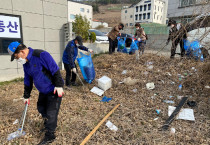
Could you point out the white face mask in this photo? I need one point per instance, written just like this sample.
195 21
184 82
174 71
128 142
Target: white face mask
77 45
21 61
137 28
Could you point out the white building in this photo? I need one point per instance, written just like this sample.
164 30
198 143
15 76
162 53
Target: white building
76 8
184 10
146 11
96 23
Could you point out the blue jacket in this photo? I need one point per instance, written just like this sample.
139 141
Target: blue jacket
70 53
42 70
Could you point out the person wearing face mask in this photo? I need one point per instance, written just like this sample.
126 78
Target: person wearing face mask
69 56
141 37
41 69
177 34
113 37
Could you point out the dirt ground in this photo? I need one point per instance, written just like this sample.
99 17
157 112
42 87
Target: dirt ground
112 16
82 110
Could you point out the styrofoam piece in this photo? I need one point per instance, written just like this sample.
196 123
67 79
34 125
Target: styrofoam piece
104 83
97 91
111 126
186 113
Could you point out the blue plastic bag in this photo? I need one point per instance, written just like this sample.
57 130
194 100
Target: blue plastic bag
87 68
133 46
193 49
121 45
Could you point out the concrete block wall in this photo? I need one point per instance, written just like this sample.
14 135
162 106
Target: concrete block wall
42 26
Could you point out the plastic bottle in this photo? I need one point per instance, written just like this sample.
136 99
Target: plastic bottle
15 134
180 86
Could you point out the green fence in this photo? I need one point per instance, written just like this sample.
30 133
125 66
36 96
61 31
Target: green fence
154 28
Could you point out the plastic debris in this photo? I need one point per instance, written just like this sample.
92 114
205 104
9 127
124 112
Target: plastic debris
111 126
171 96
186 114
106 99
180 97
172 131
104 83
129 81
158 111
191 103
167 73
180 86
124 72
97 91
156 118
134 90
146 73
15 122
207 87
169 101
172 83
150 67
15 134
150 86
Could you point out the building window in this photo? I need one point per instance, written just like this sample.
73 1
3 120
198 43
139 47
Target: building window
144 16
161 9
140 16
126 11
158 8
136 17
161 18
154 16
155 7
145 7
149 6
88 11
82 10
140 8
183 3
157 17
137 9
72 16
131 24
131 16
127 24
148 15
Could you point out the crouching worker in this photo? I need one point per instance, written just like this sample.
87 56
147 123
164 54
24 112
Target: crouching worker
69 56
41 69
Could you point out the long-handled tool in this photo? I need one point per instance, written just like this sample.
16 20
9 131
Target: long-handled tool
20 131
80 79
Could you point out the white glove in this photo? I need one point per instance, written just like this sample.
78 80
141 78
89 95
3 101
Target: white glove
26 101
74 70
59 90
90 50
139 39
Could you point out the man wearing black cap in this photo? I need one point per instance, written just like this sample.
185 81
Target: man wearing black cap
41 69
69 56
177 34
113 35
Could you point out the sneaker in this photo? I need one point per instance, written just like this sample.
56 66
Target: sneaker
74 84
49 138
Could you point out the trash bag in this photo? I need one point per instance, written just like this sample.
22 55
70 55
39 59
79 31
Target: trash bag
193 49
121 45
87 68
133 46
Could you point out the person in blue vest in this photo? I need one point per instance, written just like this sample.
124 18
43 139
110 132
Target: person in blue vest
69 56
41 70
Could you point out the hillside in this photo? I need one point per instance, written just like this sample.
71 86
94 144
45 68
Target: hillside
110 13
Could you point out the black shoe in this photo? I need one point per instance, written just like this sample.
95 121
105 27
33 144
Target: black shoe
74 84
49 138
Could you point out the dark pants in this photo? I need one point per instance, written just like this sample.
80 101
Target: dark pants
48 105
112 44
69 74
174 45
141 46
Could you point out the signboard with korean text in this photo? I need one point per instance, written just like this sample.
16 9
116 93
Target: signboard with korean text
10 26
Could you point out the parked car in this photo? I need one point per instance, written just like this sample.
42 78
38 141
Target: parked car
100 37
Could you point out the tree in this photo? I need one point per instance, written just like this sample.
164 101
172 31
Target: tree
81 25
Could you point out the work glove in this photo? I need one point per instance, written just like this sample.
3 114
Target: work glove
74 70
90 50
139 39
59 91
26 101
167 42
